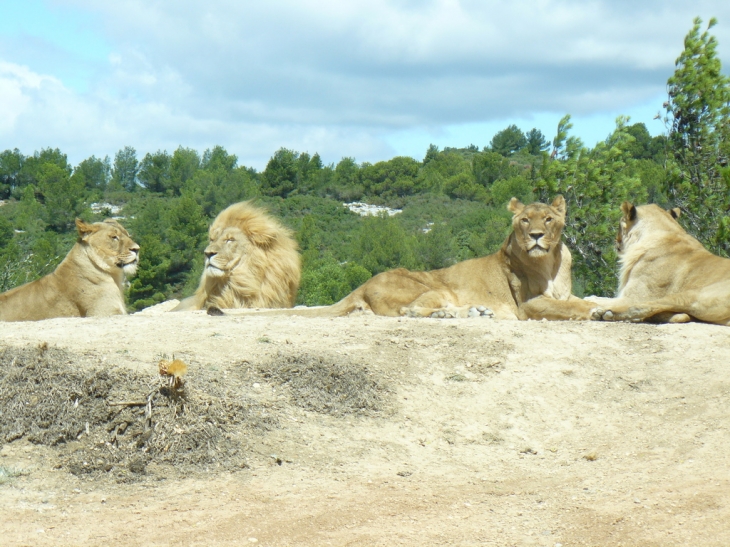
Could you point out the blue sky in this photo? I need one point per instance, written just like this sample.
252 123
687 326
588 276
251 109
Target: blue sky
369 79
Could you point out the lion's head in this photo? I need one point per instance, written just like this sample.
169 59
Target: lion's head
538 227
251 261
109 246
653 218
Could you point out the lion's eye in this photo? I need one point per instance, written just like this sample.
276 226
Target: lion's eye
229 240
115 238
549 219
525 220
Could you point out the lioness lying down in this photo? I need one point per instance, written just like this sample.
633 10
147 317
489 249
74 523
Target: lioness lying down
529 277
666 274
88 282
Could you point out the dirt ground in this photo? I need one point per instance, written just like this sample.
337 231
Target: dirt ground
363 431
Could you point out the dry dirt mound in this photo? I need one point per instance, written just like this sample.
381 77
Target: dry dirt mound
113 419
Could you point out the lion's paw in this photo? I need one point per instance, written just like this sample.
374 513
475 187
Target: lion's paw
600 314
480 311
443 314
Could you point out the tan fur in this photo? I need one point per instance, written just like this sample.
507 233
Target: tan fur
251 262
666 275
532 263
89 281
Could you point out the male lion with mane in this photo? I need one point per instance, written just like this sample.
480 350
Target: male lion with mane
252 261
528 278
88 282
666 275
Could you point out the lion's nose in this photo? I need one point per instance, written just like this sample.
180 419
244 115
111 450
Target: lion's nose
209 254
536 235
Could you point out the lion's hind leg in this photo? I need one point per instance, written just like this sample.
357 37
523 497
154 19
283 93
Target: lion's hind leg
705 305
435 303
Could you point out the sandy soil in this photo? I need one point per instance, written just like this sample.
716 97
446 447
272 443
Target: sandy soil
495 433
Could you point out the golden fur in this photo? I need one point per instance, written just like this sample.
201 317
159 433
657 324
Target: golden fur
251 262
532 263
88 282
666 274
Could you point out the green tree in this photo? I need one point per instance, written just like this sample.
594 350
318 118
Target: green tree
431 154
382 244
698 116
94 174
508 141
392 178
63 197
280 176
6 232
184 164
536 143
11 162
514 187
436 248
154 172
124 172
489 166
345 183
218 158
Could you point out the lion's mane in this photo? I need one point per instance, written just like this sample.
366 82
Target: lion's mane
252 261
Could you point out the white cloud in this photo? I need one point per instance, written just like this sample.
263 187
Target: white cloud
343 78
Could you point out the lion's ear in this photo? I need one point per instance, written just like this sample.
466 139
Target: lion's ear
261 238
559 204
676 212
84 229
516 206
629 211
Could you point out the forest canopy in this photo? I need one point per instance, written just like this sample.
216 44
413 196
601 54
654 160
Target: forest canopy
453 201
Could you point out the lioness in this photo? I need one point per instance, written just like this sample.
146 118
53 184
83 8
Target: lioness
88 282
528 278
666 275
251 261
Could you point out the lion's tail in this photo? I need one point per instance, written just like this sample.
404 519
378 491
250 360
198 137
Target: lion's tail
350 303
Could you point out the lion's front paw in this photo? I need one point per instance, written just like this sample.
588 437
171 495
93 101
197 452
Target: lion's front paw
601 314
443 314
480 311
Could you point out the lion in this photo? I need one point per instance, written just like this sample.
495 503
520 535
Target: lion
528 278
252 261
89 282
666 275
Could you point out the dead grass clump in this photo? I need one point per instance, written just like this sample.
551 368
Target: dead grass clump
44 399
104 418
327 385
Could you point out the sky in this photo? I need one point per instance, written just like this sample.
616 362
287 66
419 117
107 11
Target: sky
368 79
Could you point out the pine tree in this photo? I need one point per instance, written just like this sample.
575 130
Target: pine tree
698 120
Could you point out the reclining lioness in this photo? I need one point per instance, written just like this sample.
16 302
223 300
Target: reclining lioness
666 274
88 282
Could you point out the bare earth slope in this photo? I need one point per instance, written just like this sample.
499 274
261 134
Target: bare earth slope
365 431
